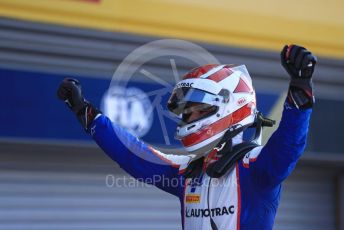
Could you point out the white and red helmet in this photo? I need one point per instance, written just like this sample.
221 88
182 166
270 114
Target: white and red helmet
224 89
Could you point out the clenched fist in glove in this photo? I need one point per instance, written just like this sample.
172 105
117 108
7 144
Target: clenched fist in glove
300 64
70 92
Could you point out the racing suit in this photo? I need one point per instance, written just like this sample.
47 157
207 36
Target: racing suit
246 197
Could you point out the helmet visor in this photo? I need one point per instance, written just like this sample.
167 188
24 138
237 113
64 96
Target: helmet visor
181 97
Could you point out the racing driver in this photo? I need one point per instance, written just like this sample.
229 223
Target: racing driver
225 182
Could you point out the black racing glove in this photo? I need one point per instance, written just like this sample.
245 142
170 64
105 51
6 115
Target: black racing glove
300 64
70 92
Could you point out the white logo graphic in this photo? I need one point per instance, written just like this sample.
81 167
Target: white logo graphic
137 115
130 108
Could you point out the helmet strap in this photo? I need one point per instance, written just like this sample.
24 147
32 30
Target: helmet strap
225 146
259 123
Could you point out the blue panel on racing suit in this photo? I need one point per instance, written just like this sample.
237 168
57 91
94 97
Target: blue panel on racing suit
138 159
261 178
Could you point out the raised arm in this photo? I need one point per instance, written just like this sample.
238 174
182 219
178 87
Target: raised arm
134 156
276 160
138 159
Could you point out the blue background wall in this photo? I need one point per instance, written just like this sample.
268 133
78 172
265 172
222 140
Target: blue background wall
30 108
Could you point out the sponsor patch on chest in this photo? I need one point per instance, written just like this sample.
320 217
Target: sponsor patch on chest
192 198
199 212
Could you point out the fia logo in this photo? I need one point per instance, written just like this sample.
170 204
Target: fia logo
130 108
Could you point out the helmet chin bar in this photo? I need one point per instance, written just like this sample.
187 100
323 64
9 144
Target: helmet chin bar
223 143
259 123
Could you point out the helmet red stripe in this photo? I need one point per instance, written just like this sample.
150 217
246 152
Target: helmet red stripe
197 72
217 127
220 75
242 87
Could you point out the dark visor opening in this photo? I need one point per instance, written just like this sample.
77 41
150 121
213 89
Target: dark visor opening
194 111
